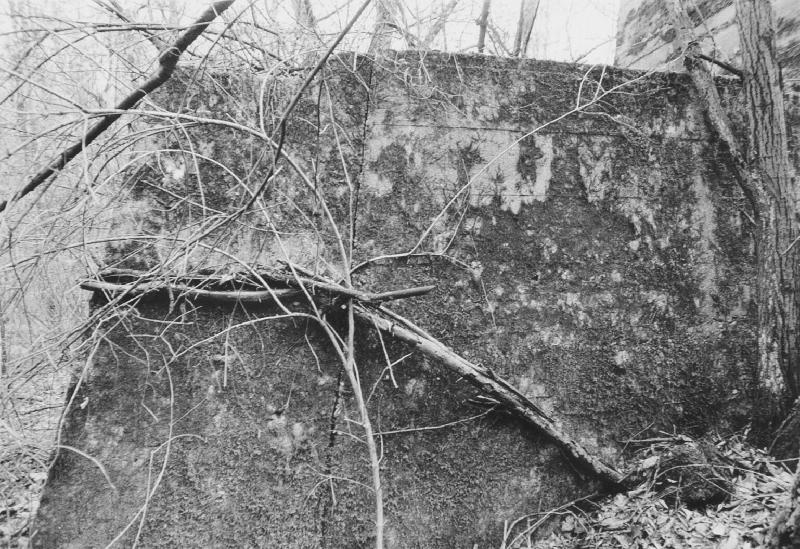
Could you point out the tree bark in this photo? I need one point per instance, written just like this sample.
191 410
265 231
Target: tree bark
765 174
778 286
785 530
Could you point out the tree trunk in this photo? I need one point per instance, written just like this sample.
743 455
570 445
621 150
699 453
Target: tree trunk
483 22
382 35
527 17
764 172
785 531
775 202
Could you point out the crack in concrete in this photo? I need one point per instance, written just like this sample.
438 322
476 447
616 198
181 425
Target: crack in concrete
363 157
327 503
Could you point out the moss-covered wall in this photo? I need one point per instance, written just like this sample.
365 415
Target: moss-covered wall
599 263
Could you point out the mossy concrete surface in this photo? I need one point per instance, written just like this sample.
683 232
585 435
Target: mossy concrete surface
601 264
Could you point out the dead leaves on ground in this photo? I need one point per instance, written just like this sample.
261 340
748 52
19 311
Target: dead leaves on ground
651 517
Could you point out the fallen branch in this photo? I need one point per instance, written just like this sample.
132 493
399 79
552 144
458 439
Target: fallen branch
490 383
134 283
312 285
134 290
399 327
167 62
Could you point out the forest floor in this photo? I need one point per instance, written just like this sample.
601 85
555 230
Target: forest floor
28 423
747 486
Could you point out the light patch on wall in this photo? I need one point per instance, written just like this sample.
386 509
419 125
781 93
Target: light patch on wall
379 184
500 177
621 358
173 167
704 225
301 249
626 193
486 162
595 166
544 164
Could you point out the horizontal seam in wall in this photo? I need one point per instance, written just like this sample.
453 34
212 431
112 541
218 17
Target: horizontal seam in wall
523 130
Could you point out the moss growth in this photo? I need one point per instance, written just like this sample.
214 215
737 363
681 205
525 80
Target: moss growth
596 297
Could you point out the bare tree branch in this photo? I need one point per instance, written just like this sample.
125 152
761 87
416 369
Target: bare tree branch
167 62
113 7
395 325
727 66
439 24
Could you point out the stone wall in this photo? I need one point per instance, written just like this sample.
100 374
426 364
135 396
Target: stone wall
598 260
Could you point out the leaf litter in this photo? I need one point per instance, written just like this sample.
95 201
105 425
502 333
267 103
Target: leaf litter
660 513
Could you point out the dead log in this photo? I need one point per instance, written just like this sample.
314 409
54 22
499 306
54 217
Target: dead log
485 379
134 283
183 290
490 383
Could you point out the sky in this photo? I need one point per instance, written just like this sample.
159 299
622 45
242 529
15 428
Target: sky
565 30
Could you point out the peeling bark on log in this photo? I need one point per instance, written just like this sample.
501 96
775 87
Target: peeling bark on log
135 284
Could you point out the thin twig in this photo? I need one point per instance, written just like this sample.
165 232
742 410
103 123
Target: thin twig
93 460
728 67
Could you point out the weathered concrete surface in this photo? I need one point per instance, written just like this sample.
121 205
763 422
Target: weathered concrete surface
645 39
249 461
599 264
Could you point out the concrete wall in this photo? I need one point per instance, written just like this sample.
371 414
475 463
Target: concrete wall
600 264
645 38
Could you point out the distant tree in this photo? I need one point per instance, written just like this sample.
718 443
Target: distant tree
528 10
